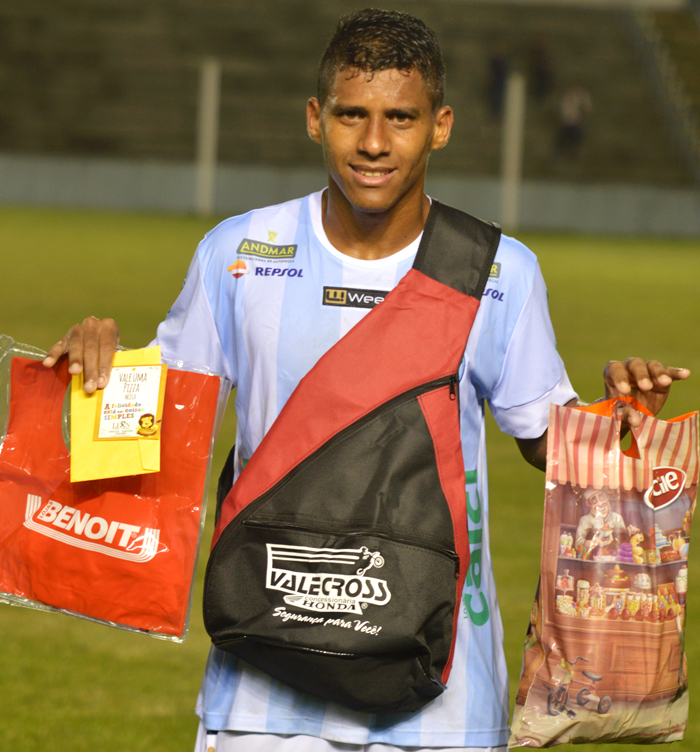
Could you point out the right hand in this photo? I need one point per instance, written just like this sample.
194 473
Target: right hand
90 347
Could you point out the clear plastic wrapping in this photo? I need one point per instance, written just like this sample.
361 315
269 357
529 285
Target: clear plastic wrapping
119 551
604 655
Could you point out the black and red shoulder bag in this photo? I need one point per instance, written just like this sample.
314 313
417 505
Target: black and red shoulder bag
340 553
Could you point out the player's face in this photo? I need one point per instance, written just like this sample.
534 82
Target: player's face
377 131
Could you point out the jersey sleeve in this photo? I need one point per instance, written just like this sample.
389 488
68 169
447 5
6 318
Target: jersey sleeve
512 355
190 332
533 374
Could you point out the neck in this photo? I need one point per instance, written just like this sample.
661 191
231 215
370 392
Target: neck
372 235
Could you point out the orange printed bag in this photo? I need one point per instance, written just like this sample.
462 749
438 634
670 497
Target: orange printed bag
604 655
120 551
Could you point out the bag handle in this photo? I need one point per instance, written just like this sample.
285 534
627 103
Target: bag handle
606 408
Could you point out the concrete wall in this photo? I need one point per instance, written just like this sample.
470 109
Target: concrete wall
169 187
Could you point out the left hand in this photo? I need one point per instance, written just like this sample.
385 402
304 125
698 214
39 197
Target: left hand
649 383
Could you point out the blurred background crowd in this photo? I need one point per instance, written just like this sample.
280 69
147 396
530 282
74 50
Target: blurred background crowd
613 91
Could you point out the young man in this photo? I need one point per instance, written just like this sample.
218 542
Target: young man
263 318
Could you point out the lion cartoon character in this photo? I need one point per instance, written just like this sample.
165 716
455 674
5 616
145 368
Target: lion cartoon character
147 425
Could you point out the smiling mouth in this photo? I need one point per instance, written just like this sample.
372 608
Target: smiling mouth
373 176
372 173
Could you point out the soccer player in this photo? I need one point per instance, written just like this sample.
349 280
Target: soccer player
253 307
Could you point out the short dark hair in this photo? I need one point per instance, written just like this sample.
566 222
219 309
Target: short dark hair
373 40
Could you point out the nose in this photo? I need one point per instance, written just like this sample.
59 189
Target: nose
374 140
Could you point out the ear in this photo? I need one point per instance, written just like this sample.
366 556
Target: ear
313 119
444 119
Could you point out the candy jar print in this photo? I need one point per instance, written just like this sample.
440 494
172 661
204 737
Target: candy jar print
626 614
570 552
565 581
639 616
565 605
597 600
563 543
633 603
655 611
583 593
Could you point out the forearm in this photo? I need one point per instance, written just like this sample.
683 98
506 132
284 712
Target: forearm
535 450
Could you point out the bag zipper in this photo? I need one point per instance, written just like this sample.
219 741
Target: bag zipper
453 387
397 401
330 530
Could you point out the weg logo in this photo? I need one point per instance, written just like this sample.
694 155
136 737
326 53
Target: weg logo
351 297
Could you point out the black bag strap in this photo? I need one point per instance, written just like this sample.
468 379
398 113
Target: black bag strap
225 482
457 249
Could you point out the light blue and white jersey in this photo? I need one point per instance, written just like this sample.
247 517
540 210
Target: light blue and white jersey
266 295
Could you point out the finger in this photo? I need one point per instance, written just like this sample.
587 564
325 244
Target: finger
638 374
678 374
663 376
617 379
109 341
55 352
75 349
84 348
628 414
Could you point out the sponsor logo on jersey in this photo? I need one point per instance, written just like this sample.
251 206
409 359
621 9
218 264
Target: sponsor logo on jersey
238 269
476 605
351 297
276 271
326 580
248 247
495 272
666 486
488 292
83 530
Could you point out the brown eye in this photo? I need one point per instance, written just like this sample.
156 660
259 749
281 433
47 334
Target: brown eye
401 118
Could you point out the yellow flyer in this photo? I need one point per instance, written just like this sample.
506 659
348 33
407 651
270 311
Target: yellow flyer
116 431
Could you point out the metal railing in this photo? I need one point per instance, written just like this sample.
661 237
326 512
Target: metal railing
680 114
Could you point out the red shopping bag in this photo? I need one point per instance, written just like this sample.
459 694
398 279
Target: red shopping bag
604 655
119 550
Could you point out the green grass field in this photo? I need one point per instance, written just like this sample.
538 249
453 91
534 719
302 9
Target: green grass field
68 684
